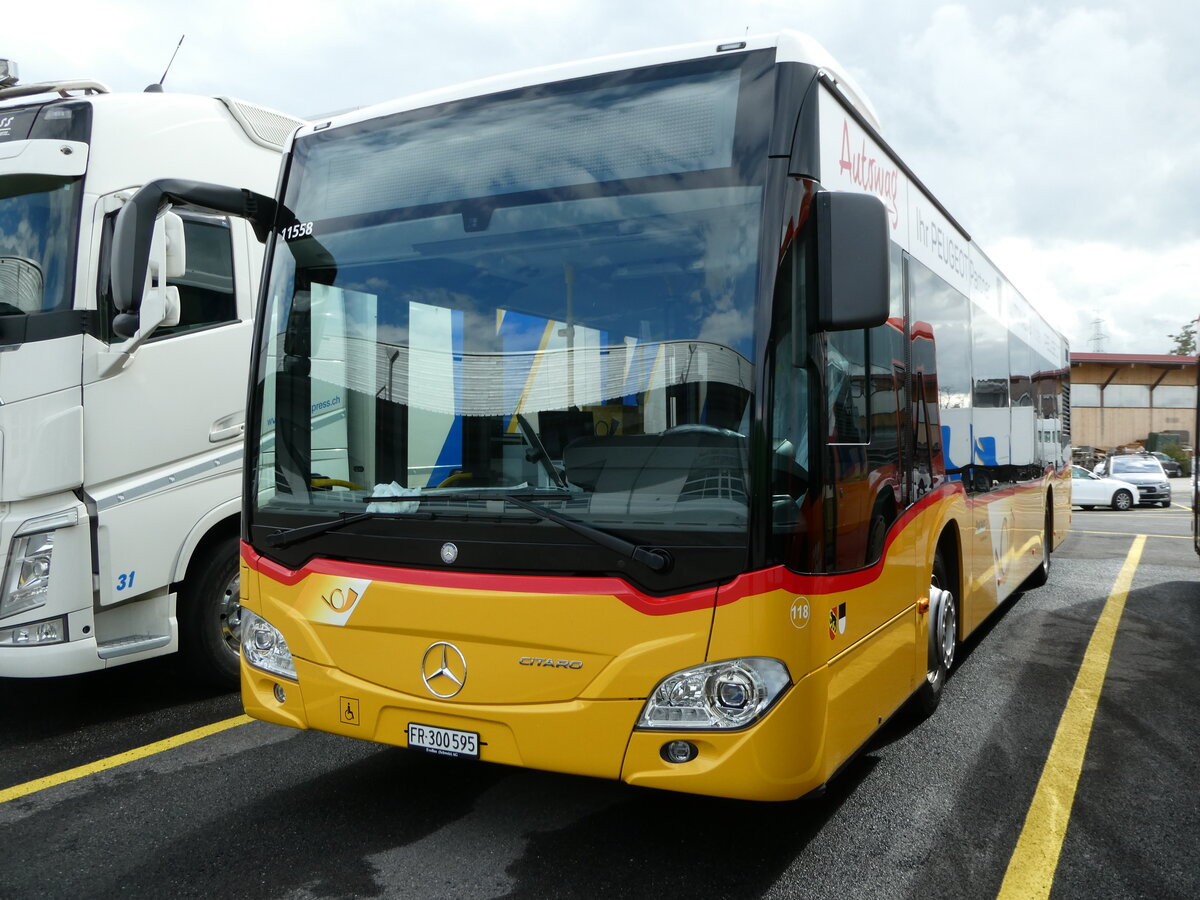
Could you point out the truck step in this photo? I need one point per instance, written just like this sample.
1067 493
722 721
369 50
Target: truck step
133 643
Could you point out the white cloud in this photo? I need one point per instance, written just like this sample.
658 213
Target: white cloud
1066 139
1140 296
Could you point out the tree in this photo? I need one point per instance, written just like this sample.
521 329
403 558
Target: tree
1185 341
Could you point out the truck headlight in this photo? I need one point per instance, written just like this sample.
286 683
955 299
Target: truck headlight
27 574
264 647
27 571
729 694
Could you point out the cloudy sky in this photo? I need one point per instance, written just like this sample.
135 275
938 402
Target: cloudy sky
1064 137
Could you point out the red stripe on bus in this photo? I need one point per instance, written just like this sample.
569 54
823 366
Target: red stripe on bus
781 578
477 581
748 584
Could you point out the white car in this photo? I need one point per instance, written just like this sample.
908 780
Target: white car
1090 490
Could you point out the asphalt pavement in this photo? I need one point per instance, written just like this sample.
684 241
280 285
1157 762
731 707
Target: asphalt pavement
931 808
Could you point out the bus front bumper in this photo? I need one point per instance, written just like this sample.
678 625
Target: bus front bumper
775 759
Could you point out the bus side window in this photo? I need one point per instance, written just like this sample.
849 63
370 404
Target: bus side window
922 481
846 388
795 511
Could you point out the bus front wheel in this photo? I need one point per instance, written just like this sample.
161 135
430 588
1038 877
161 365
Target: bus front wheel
943 635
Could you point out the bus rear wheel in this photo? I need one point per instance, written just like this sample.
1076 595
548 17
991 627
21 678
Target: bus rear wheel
943 636
1041 574
210 629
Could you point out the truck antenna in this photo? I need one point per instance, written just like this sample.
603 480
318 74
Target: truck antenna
157 88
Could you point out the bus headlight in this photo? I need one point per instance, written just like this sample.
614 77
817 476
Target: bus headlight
264 647
729 694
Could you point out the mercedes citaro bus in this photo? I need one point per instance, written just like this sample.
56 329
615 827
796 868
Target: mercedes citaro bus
643 418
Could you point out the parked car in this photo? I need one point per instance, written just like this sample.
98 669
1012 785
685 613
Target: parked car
1090 490
1145 471
1172 468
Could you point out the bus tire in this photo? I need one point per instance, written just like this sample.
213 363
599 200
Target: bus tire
943 636
1041 574
210 616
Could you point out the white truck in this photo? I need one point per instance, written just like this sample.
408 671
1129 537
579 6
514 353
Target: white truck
121 432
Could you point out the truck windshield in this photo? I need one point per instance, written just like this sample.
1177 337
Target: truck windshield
551 291
39 222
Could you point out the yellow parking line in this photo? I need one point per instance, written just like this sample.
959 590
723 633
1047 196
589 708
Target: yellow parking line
1178 537
1035 859
40 784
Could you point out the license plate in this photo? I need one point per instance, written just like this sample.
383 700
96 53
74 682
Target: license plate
443 741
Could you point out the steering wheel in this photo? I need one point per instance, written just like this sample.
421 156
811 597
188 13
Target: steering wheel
324 483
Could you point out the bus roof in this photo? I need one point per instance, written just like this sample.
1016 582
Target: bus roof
790 46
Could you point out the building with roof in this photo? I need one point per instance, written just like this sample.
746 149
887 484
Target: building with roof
1118 399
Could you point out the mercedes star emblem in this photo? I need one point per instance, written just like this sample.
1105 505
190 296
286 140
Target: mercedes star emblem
449 553
444 670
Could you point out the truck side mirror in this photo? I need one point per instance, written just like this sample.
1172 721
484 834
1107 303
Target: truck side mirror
853 289
148 247
159 303
136 223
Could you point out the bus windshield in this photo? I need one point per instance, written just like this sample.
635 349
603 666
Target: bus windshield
550 294
39 219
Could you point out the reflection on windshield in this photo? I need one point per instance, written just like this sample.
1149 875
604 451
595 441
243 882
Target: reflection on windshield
38 217
553 292
612 362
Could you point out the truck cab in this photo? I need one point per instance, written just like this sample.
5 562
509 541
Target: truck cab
120 440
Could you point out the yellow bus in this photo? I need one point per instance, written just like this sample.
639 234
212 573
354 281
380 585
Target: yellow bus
644 418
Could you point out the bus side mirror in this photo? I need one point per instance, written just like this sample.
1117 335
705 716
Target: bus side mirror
853 289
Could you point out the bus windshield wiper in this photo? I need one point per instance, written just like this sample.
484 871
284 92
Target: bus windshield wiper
656 559
290 536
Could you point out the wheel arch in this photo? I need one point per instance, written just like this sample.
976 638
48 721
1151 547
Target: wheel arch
218 524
